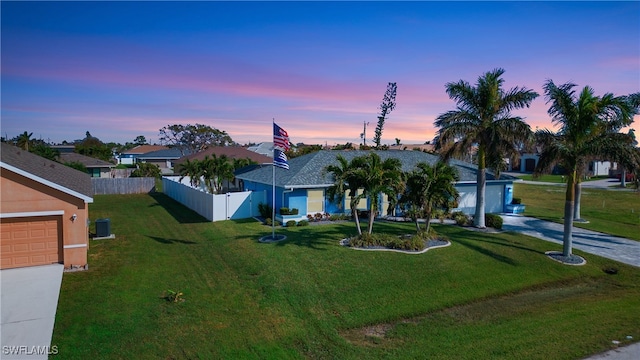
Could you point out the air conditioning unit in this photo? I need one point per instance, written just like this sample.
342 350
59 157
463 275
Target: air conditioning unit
103 228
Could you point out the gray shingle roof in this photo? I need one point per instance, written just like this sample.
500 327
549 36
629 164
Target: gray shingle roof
65 178
87 161
308 170
172 153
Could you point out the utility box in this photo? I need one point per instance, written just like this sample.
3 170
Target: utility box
103 227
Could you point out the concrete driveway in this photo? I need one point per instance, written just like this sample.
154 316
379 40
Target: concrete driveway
620 249
29 300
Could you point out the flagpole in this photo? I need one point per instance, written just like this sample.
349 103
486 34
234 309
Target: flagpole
273 192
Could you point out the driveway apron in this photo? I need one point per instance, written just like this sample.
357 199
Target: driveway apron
29 300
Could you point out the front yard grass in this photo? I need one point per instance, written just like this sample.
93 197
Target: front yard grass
486 296
609 211
560 179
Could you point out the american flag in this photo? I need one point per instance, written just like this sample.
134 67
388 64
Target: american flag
280 138
280 159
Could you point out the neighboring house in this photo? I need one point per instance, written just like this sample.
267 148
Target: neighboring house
525 164
304 185
529 161
95 167
64 148
430 148
264 148
600 168
164 158
44 211
232 152
129 157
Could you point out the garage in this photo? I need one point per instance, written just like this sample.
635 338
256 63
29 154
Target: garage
44 211
30 241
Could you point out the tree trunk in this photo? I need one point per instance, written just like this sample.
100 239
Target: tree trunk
428 217
576 205
372 216
373 208
623 178
567 238
478 218
354 212
481 179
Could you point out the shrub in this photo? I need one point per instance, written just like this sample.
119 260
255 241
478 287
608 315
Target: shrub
268 221
291 223
310 218
516 201
147 170
303 223
336 217
439 214
287 211
265 210
461 218
318 216
493 220
415 242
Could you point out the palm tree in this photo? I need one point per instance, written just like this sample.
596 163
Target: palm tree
427 187
24 140
224 171
192 169
588 128
376 177
215 170
483 119
344 180
336 192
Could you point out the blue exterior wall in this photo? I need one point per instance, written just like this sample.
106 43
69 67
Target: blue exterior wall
332 207
296 199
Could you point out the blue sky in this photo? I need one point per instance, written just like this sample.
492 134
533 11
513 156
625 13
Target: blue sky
123 69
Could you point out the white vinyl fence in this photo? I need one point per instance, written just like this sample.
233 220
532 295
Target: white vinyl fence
237 205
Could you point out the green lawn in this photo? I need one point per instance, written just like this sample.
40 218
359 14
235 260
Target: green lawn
486 296
560 179
609 211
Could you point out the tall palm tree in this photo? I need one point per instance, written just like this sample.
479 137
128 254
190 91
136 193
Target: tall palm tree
588 129
376 177
427 187
483 118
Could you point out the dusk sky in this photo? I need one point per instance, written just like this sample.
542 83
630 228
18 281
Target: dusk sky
320 69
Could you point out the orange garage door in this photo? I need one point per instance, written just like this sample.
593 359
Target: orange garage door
30 241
